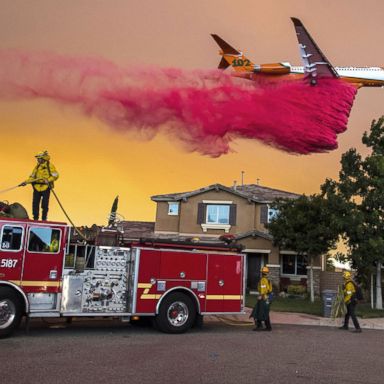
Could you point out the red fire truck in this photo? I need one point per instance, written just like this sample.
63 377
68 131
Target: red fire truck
45 272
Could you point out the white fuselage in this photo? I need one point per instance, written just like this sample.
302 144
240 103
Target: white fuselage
365 74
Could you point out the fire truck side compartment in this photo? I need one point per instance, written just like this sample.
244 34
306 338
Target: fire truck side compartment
102 289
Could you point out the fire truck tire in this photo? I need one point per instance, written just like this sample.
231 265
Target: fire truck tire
10 311
199 322
177 313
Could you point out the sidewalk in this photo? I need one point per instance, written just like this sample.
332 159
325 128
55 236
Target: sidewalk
304 319
300 319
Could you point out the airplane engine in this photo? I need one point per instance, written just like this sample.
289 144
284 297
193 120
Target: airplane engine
272 69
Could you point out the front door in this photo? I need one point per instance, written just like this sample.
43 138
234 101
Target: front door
253 272
43 261
11 252
255 262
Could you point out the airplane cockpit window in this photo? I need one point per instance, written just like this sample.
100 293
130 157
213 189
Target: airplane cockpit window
11 238
46 240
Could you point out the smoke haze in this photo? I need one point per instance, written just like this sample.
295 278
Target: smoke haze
204 109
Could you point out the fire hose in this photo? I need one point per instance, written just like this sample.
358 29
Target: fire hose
9 189
69 219
238 323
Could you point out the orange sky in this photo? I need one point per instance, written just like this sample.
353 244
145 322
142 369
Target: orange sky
96 163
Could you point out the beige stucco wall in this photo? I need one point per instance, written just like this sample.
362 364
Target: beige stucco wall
165 222
247 218
262 244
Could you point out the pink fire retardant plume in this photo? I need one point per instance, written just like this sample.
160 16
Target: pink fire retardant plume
204 109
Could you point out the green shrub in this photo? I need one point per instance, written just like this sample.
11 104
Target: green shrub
296 289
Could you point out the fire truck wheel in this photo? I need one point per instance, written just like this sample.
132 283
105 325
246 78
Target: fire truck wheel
177 313
10 311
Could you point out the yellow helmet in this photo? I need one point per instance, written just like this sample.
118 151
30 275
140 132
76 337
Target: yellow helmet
265 270
43 155
347 275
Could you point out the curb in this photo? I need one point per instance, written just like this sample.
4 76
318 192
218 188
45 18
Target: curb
291 318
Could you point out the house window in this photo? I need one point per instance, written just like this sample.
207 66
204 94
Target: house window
272 213
173 209
11 238
294 264
217 214
267 214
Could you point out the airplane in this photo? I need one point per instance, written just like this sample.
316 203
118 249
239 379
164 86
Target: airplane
315 64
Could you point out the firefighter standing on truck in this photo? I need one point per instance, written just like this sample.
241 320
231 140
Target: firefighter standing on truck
260 312
42 178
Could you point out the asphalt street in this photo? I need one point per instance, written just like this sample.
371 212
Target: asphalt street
107 351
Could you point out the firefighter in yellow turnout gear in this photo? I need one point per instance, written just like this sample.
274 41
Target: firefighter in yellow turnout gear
54 246
42 178
260 312
349 290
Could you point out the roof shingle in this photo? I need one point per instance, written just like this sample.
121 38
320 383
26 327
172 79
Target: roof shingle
254 192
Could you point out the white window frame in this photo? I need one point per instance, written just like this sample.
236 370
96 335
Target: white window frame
21 241
217 214
174 203
225 227
205 226
44 252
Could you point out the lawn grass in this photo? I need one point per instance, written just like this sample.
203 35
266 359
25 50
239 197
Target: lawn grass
365 311
300 305
290 305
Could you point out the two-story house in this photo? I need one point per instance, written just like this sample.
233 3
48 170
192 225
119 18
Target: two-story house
241 211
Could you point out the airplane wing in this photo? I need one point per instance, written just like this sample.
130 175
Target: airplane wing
316 65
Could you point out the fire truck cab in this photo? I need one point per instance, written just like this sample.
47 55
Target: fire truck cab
43 273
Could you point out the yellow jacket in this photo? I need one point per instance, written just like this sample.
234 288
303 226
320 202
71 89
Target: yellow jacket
349 290
45 171
264 287
54 246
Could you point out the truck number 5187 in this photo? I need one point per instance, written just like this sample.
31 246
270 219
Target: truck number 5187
8 263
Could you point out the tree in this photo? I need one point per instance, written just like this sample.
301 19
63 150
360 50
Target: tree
305 225
359 194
